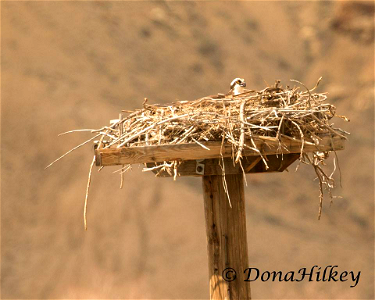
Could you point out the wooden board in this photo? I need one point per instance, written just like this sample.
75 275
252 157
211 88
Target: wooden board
250 164
181 152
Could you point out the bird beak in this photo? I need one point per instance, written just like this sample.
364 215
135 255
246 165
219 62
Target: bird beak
243 84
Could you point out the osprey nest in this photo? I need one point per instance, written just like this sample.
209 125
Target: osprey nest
235 118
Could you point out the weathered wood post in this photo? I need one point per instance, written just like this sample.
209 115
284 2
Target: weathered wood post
226 236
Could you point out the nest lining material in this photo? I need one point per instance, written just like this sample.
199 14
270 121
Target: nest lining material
291 112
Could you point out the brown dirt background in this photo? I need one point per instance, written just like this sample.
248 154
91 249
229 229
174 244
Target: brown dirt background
69 65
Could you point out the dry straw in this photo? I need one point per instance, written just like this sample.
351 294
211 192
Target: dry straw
291 112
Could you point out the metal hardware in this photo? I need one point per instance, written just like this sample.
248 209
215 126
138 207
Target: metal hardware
199 168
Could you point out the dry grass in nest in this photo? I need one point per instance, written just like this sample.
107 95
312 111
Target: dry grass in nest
290 112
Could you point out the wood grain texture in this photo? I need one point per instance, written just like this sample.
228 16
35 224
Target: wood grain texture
226 236
267 145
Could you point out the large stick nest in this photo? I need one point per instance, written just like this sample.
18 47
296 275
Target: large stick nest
273 112
290 112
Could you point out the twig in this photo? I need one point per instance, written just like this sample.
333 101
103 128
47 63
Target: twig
71 150
76 130
329 128
87 193
200 144
242 135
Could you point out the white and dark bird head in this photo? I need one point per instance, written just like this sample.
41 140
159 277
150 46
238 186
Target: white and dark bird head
237 86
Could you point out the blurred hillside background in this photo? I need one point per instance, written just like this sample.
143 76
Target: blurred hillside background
71 65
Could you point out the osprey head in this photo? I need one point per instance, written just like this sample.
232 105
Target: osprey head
238 81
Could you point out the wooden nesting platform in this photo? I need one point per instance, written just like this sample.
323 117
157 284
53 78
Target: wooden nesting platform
224 204
198 161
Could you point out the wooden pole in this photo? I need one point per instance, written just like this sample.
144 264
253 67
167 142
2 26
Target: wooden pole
226 236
